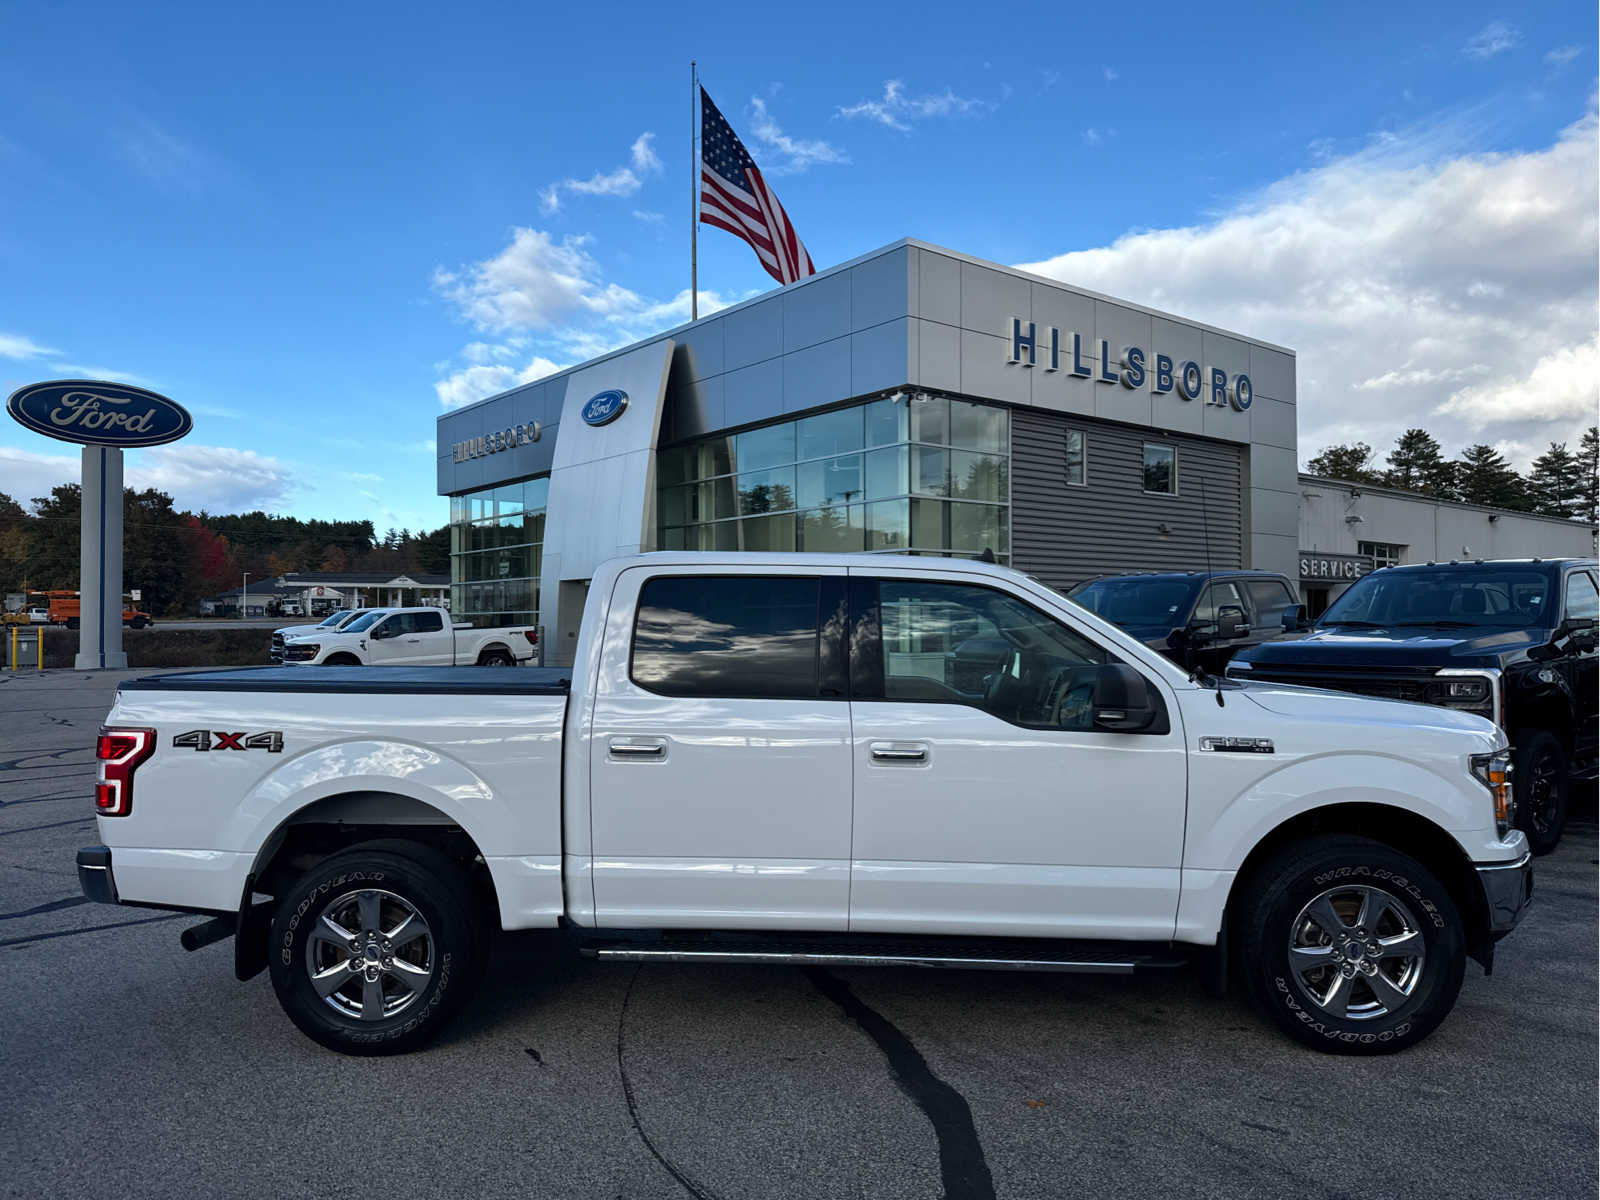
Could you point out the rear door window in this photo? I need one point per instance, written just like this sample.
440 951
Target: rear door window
1581 597
728 636
1218 595
1270 597
427 622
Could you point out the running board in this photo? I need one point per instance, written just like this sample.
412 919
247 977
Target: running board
1118 964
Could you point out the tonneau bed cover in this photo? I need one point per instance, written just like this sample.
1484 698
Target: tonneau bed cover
478 681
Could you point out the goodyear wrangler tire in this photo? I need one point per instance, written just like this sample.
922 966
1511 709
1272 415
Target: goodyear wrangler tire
374 950
1350 946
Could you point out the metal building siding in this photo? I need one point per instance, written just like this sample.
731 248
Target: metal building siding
1065 534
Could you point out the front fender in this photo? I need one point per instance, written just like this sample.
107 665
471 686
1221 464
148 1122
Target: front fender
1229 817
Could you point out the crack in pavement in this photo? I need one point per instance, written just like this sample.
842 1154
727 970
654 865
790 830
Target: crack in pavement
962 1166
45 937
51 906
691 1185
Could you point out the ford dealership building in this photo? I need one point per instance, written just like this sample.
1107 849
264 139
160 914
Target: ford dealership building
914 399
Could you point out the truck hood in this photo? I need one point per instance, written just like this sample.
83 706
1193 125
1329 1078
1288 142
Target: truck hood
1397 647
1315 704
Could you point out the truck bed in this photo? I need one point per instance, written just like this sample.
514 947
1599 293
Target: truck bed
478 681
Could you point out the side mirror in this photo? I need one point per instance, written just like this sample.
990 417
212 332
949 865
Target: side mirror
1121 700
1581 631
1231 622
1294 618
383 631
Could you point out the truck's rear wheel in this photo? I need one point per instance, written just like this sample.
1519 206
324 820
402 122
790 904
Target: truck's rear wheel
1540 785
374 950
1349 946
496 656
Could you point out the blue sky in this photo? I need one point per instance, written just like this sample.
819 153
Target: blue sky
317 225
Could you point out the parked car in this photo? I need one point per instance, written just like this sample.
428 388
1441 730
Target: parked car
1199 619
757 758
1511 640
412 637
332 622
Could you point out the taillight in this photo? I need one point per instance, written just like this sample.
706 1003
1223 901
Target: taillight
120 752
532 635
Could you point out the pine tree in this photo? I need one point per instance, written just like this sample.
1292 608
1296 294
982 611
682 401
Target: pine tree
1349 463
1557 482
1483 476
1415 465
1589 455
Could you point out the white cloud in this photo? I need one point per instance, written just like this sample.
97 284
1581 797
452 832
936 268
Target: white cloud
1095 137
475 383
89 371
15 345
1446 290
1562 55
896 110
793 155
648 217
1111 74
620 181
532 284
215 478
1494 38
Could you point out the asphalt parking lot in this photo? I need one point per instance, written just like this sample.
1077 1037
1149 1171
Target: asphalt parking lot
132 1068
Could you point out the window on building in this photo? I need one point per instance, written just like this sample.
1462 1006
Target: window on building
1077 473
496 539
1270 597
919 473
1383 554
1581 599
727 636
1160 469
957 644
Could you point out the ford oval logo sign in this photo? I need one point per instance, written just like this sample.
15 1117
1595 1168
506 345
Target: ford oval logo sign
96 413
604 407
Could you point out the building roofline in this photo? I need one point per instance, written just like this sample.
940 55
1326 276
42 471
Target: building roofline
1401 493
900 244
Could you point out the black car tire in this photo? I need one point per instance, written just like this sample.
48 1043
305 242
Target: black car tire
411 876
1269 919
1539 782
496 656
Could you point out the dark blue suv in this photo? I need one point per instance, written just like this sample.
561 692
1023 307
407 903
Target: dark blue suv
1199 619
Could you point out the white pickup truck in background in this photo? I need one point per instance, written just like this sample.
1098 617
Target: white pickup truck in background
329 624
411 637
830 759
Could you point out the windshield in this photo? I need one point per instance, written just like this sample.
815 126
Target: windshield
1452 598
333 618
363 622
1162 602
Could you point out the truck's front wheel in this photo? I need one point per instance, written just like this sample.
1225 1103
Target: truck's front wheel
374 950
1350 946
1540 783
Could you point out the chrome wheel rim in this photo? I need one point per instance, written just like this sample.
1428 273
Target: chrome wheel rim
1357 952
370 955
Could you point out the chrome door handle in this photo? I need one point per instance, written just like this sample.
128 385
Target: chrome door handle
638 748
899 752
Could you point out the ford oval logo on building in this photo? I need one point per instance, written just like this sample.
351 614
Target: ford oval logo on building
95 413
604 407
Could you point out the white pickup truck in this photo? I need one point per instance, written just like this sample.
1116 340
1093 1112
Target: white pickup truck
411 637
329 624
826 759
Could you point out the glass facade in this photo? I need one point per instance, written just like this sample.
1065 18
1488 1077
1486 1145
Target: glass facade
918 473
496 535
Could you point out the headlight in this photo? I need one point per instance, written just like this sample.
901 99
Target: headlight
1467 691
301 649
1494 772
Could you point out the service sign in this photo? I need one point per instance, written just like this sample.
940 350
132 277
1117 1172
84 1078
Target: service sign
95 413
1316 567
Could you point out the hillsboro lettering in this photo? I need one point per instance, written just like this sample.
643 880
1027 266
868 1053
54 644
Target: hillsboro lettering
1128 366
498 440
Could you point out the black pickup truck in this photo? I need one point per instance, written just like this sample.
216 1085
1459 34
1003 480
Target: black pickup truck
1512 640
1196 618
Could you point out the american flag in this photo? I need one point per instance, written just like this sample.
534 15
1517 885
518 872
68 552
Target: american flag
734 196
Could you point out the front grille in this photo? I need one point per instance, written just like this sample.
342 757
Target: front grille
1384 687
276 652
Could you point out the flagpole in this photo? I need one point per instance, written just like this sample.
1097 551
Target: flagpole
694 193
